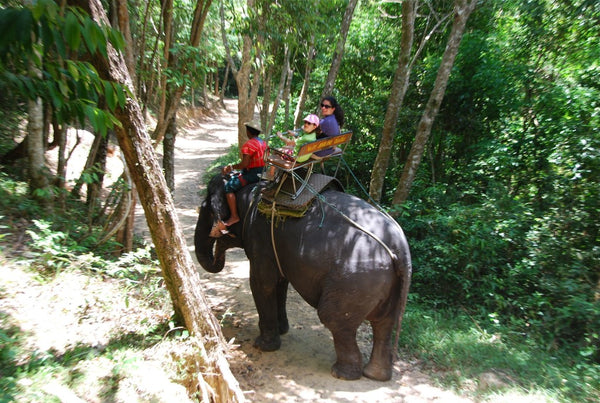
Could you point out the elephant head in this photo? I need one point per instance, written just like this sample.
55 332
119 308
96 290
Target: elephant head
210 244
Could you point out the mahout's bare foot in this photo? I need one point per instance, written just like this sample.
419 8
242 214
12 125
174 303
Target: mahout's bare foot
231 221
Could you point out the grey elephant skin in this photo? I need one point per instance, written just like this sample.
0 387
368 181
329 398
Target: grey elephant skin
334 256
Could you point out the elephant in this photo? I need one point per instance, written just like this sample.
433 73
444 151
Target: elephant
344 257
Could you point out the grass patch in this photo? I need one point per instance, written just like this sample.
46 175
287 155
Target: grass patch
76 320
484 361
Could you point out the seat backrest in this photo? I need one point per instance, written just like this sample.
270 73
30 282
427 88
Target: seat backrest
325 143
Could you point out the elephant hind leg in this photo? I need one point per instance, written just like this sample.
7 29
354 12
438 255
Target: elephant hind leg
379 367
348 364
342 316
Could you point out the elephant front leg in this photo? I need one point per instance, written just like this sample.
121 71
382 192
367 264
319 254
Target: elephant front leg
266 301
282 319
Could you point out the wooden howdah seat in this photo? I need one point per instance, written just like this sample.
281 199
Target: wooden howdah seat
286 165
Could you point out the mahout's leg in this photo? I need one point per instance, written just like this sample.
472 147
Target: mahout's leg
265 293
379 366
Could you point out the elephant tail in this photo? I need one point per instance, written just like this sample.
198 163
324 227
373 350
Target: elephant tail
403 268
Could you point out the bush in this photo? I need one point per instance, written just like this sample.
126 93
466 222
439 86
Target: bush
497 258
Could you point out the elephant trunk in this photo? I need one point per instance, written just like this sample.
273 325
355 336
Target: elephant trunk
209 251
211 257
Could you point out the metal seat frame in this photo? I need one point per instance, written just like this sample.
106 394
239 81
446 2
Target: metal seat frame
287 165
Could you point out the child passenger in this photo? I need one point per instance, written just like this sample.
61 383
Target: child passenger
296 139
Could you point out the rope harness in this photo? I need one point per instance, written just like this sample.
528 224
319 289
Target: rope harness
322 200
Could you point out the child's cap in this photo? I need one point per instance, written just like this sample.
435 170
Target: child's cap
314 119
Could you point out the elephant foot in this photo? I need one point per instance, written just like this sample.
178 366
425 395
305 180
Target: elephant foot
284 327
377 372
267 344
348 372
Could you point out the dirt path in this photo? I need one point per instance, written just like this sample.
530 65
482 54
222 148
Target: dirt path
299 371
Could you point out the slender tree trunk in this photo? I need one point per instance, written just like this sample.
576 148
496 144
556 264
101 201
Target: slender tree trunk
89 163
398 91
267 83
169 154
93 189
169 111
60 139
167 59
462 11
39 182
224 86
286 96
280 89
298 114
247 80
336 62
180 274
122 16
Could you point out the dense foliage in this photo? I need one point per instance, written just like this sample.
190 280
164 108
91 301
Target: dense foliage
504 219
504 216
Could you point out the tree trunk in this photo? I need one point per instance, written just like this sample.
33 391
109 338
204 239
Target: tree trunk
39 183
60 139
298 114
94 188
169 110
169 154
247 90
89 163
339 49
122 16
280 89
180 274
224 86
462 11
267 88
398 91
286 97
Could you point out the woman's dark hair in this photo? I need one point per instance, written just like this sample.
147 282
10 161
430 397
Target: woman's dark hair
338 112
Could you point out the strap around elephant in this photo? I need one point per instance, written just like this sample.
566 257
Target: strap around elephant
273 211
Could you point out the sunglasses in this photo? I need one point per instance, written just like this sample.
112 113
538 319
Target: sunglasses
326 106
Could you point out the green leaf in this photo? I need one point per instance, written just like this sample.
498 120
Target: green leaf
59 43
73 70
116 38
121 94
98 118
90 112
109 95
88 35
64 89
72 31
96 35
55 96
113 120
